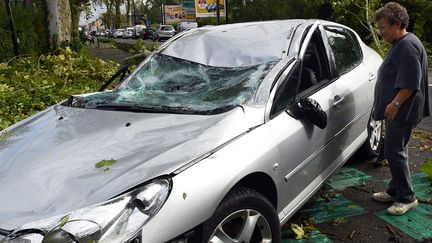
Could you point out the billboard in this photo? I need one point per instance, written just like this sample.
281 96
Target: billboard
189 9
174 14
207 8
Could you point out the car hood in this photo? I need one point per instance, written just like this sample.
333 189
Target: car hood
48 161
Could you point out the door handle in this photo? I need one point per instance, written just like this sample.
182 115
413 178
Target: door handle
337 100
371 76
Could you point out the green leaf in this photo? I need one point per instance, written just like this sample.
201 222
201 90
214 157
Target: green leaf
105 163
63 221
426 167
3 135
298 230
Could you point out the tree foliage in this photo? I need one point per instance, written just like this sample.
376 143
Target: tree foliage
30 84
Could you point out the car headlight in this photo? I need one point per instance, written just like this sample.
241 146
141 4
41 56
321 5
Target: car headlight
117 220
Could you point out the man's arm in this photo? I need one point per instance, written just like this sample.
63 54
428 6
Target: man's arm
400 98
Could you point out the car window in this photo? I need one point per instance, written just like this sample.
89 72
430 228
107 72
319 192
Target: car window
315 69
167 28
345 47
286 93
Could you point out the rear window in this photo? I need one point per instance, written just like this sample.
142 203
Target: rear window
167 28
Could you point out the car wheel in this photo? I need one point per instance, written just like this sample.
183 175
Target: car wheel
374 145
244 215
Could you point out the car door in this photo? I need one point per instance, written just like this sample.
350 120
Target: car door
353 82
306 152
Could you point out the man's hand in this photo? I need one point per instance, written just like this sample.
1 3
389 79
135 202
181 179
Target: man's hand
391 112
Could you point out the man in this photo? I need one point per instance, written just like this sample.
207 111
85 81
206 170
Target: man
402 99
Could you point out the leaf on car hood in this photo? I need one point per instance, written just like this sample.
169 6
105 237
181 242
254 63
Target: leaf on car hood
105 163
63 221
298 230
3 135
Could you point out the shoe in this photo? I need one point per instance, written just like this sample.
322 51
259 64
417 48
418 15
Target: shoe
383 197
401 208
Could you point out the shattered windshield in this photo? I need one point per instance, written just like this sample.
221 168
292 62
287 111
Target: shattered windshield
169 82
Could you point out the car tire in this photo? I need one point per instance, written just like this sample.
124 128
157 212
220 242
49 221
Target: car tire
227 222
373 148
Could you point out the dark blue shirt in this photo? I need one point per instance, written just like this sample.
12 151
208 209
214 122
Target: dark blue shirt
405 66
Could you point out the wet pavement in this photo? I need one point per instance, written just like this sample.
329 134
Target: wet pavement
342 211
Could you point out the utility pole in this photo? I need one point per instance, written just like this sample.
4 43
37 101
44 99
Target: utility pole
217 13
164 20
15 39
163 11
226 11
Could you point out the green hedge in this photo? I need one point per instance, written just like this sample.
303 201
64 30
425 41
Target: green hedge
31 84
135 48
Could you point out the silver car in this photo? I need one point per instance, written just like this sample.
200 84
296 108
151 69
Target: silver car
163 32
220 135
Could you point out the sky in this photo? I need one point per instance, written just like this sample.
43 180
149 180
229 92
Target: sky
97 11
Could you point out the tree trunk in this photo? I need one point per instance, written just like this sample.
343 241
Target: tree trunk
109 6
75 22
117 14
59 22
128 13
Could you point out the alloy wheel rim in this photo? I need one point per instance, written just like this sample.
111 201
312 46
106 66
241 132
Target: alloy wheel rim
376 134
242 226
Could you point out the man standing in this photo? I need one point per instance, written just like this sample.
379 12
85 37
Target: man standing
402 99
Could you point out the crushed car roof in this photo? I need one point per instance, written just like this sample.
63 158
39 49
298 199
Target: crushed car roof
234 45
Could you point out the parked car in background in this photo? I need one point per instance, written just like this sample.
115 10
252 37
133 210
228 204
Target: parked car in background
182 26
110 33
128 33
147 33
137 29
164 32
118 33
213 138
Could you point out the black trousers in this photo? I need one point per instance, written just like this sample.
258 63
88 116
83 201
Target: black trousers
397 136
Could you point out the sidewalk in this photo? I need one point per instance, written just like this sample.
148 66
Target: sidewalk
343 210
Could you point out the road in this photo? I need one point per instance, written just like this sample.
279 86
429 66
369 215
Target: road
132 41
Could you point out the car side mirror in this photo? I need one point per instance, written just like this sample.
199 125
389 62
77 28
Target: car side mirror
312 111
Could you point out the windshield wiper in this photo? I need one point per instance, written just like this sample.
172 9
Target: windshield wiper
5 232
163 109
149 109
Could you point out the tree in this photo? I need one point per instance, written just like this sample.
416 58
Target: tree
117 4
108 17
76 7
358 14
59 22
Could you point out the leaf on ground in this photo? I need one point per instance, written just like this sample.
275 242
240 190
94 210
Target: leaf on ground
424 147
426 167
338 221
105 163
298 230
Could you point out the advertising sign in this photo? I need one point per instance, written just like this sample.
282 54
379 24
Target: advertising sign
173 14
189 9
207 8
